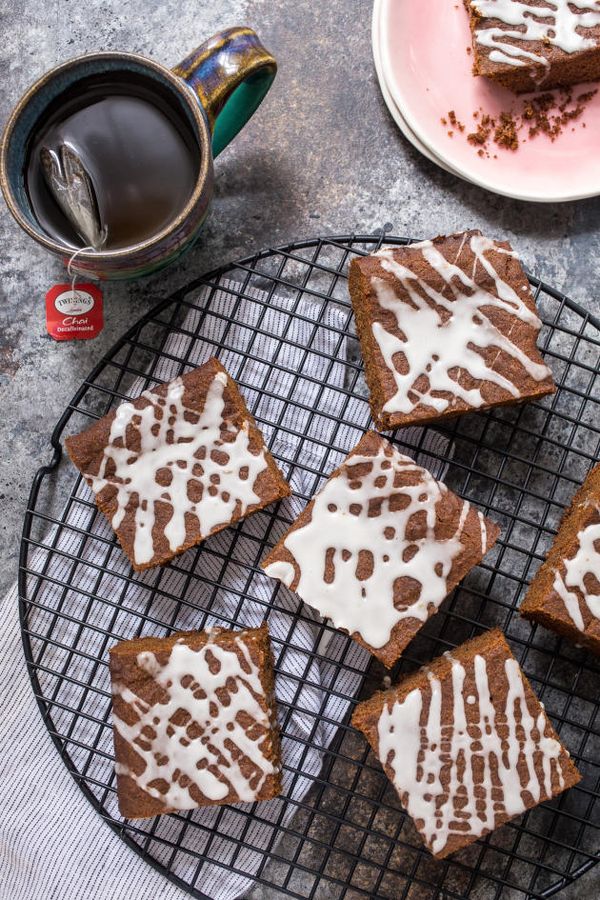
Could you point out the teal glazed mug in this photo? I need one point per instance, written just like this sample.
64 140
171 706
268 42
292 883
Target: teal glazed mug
217 88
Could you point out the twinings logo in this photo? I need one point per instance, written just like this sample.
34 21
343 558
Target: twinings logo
71 303
74 315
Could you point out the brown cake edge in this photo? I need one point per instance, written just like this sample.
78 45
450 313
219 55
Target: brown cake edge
390 421
368 345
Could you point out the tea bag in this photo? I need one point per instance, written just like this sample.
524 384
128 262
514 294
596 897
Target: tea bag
73 190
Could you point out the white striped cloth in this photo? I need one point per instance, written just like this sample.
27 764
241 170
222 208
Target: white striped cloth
53 845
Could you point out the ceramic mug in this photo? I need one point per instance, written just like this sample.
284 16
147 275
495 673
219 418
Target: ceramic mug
217 88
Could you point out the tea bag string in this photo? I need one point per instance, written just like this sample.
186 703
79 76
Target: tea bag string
70 272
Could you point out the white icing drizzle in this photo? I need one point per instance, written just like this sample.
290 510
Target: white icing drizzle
342 531
440 334
207 736
435 762
553 23
198 463
585 563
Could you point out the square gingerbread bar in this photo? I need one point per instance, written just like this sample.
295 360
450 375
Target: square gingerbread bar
194 721
565 592
446 327
380 546
466 744
528 45
179 463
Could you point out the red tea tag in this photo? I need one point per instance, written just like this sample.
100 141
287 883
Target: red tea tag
74 315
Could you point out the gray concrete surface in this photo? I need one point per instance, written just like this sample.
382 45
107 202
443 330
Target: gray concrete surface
321 156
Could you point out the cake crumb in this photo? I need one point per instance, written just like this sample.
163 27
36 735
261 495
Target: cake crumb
454 121
483 131
505 134
550 113
587 96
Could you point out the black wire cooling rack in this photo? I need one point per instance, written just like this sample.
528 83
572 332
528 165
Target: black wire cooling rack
348 836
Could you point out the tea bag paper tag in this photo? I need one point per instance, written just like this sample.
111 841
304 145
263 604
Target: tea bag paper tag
74 314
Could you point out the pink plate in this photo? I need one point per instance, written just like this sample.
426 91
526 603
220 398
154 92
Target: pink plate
428 72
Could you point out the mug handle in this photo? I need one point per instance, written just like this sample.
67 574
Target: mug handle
230 74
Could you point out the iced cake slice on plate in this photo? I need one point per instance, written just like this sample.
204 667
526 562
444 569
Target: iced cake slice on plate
524 45
177 464
466 743
380 546
565 592
446 327
194 721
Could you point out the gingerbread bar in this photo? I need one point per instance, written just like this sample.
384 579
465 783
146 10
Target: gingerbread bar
446 327
194 721
181 462
466 743
525 45
380 546
565 592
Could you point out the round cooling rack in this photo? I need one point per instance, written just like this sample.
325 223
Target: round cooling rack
282 324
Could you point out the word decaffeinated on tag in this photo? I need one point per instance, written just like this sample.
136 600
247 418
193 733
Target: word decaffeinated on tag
74 314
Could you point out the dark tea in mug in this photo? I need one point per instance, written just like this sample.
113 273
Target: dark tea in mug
111 163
